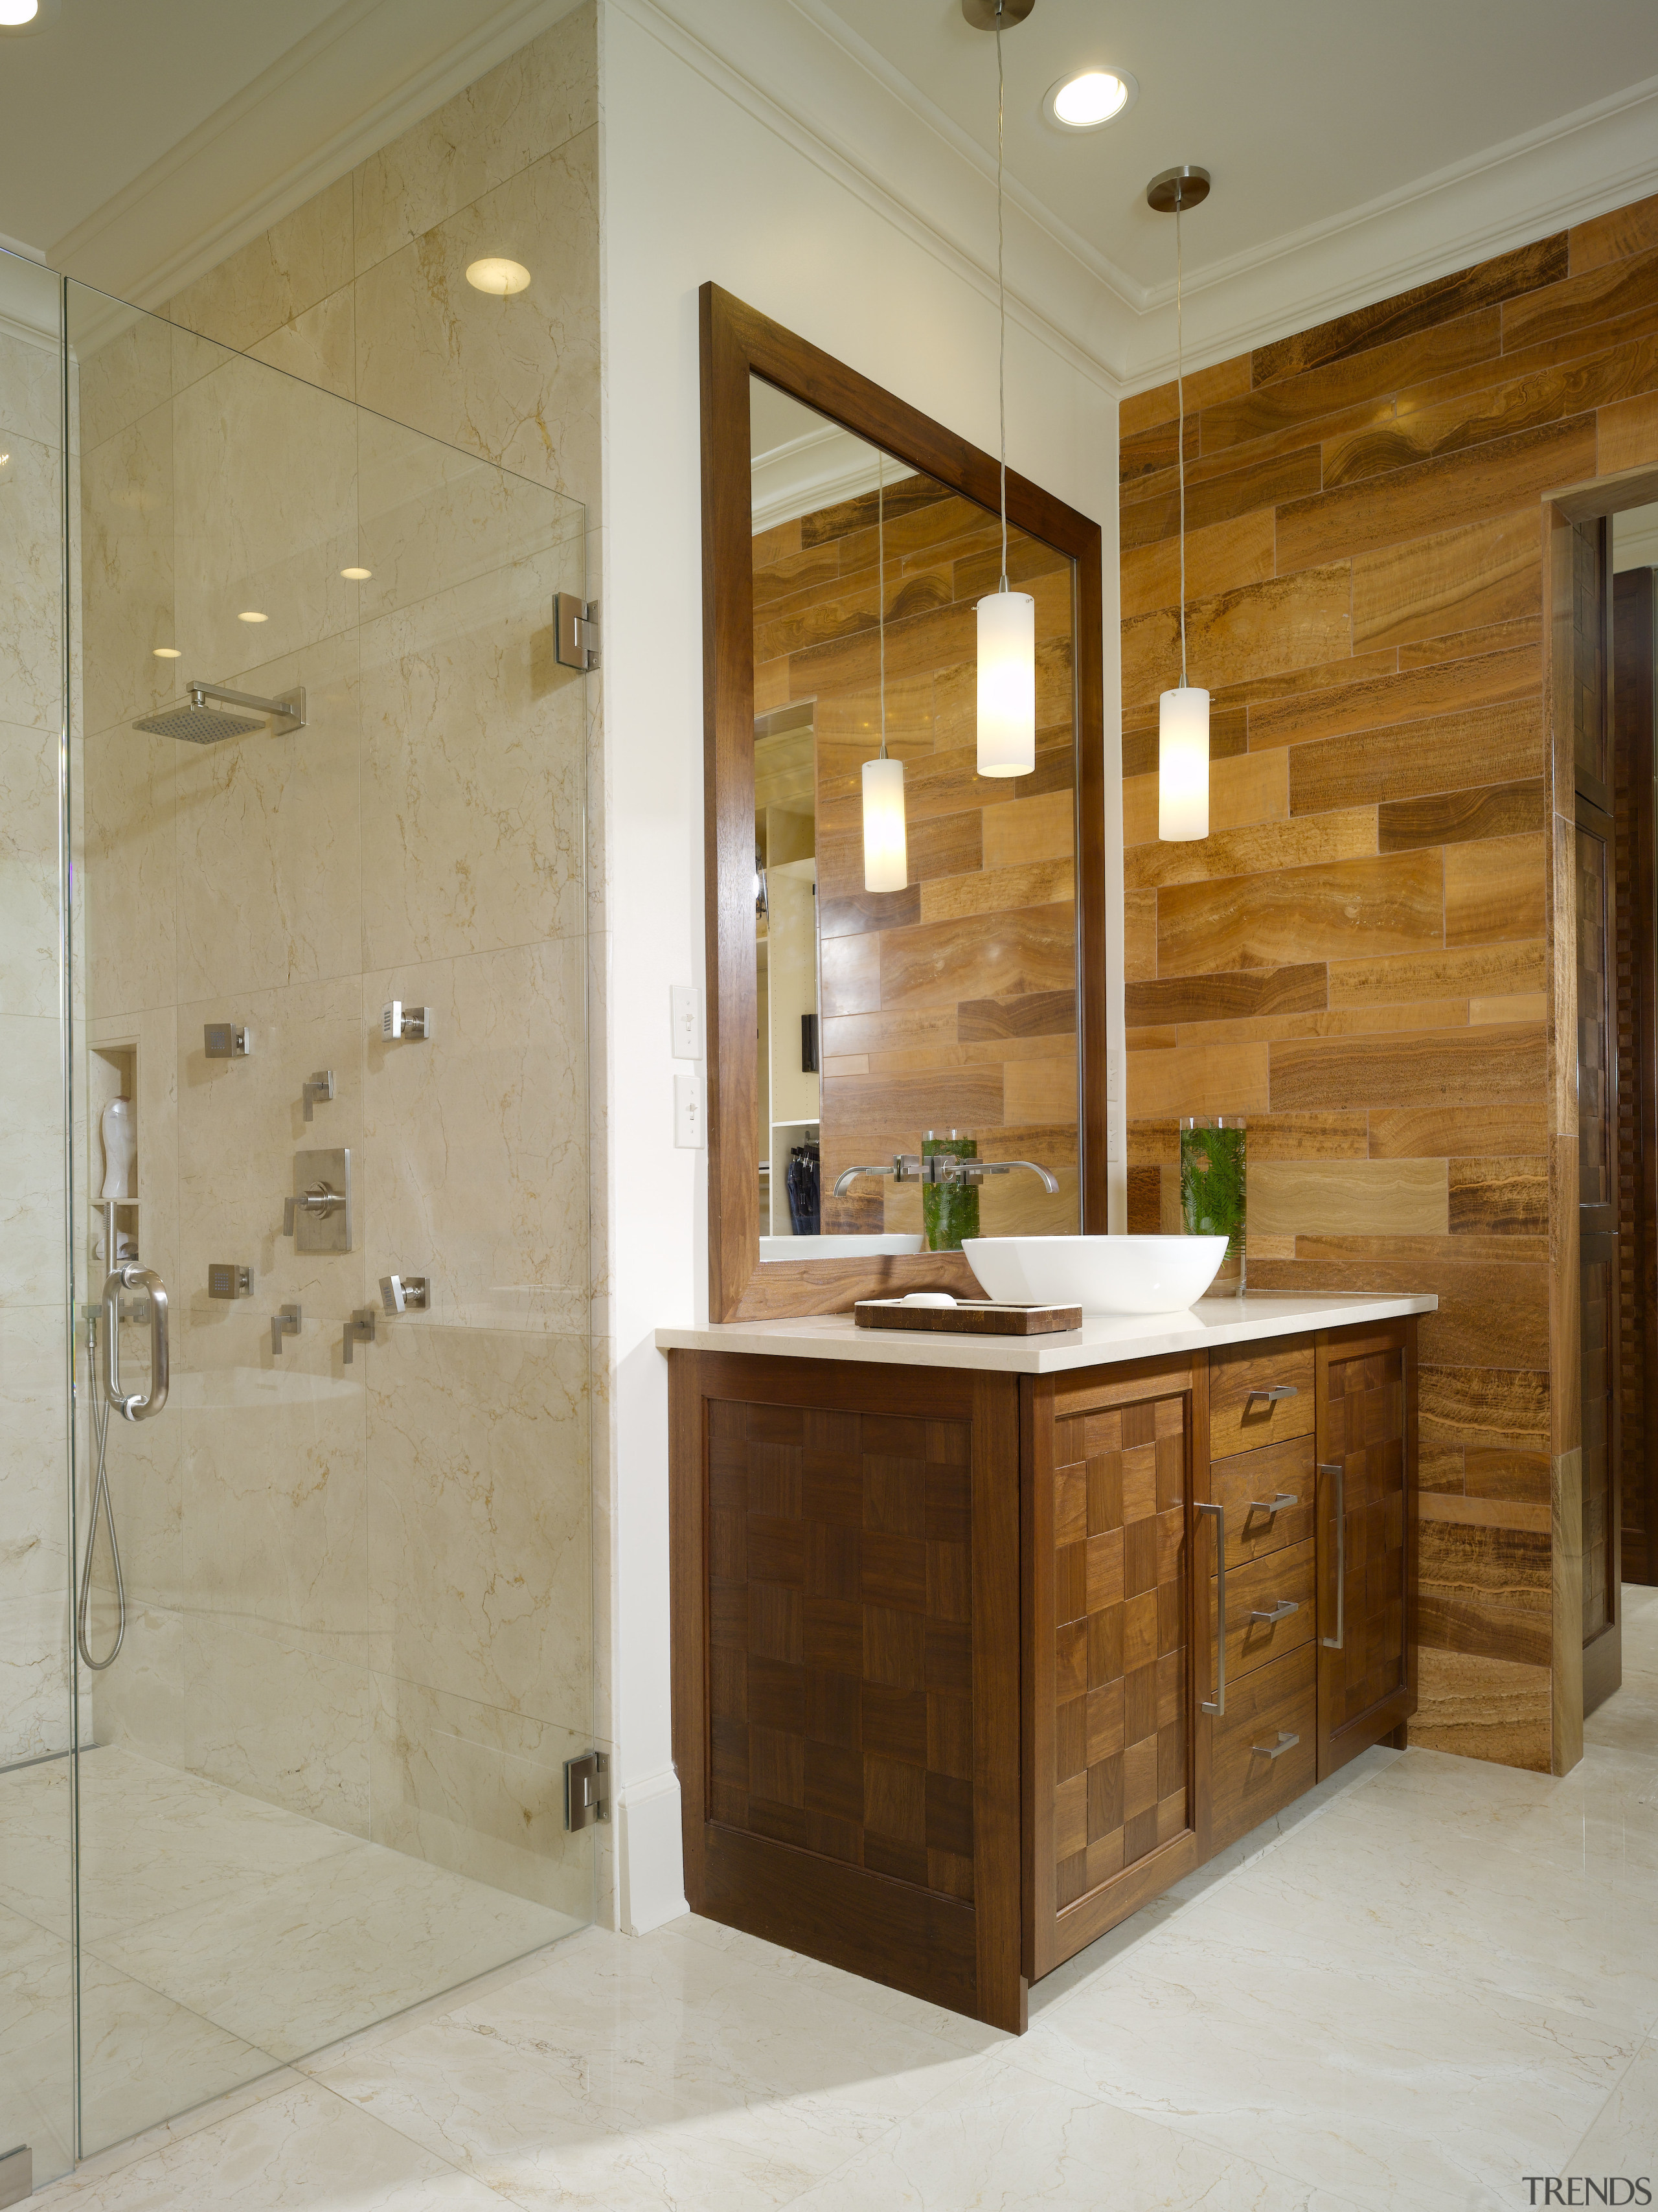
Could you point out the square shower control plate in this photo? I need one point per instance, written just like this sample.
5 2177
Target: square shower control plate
314 1229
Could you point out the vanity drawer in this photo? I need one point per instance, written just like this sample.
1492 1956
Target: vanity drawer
1242 1417
1287 1578
1253 1775
1249 1480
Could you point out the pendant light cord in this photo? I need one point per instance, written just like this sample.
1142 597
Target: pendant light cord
881 582
1001 290
1180 403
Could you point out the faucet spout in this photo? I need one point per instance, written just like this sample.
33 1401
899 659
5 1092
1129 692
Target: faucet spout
851 1174
1050 1183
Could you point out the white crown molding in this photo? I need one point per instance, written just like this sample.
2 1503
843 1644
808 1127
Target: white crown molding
303 122
818 469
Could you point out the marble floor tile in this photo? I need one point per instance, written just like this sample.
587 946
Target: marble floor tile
1625 2132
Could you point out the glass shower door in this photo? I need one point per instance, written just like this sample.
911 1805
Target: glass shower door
330 1095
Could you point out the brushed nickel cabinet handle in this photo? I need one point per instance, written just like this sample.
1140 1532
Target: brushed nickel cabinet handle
1216 1704
1287 1741
1275 1392
1339 1475
1281 1611
1274 1506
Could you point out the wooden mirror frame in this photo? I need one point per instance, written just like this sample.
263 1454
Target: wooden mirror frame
738 343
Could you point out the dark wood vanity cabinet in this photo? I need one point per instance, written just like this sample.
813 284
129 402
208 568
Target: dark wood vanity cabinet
949 1645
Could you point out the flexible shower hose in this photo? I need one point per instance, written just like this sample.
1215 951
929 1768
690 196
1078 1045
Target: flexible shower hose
100 1499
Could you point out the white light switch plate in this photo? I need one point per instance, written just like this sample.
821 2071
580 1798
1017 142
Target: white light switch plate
685 1015
687 1111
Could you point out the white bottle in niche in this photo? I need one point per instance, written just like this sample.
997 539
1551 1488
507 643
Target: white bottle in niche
119 1146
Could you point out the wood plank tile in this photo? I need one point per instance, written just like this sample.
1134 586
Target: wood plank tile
904 1105
1478 1707
1480 746
1264 848
1628 434
1334 1136
1378 701
1205 388
1468 644
1490 1314
1460 818
1614 289
1039 1090
862 911
1219 998
1197 1079
1486 969
1344 908
1241 636
1614 237
997 891
1139 935
977 956
1517 1007
1441 300
1499 1197
1017 831
1291 683
1502 1125
1496 890
1523 1476
1484 1512
1238 551
1443 1068
1475 486
1263 484
1376 373
1250 788
1033 1014
1340 1022
1356 1197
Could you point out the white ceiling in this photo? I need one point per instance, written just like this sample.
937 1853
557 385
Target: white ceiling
1303 110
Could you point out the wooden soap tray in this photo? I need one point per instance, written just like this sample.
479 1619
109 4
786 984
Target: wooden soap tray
972 1317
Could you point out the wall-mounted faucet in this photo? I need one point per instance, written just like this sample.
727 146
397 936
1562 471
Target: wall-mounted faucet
945 1168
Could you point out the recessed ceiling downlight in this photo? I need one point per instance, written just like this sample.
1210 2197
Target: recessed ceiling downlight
1089 98
356 576
492 274
167 653
16 13
251 615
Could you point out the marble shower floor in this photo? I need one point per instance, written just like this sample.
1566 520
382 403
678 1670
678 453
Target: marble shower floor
223 1938
1441 1977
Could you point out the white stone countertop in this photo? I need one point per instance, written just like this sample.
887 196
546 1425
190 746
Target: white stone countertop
1211 1322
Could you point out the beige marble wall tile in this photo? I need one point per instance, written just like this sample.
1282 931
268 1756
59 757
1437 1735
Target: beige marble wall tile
275 276
478 1547
34 1691
516 380
281 1713
37 2039
128 785
34 1445
478 1138
538 98
31 585
473 774
268 838
32 1162
124 551
266 517
124 365
479 1791
29 924
319 345
31 370
140 1703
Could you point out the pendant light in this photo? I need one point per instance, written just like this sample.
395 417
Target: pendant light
1007 620
886 855
1183 714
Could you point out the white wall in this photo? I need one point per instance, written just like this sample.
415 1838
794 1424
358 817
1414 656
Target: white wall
702 180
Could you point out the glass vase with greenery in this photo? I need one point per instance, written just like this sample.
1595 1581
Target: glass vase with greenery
1214 1187
949 1211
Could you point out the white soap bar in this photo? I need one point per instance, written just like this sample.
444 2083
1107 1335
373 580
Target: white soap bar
926 1298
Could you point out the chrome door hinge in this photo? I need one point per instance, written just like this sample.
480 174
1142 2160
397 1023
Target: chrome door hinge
575 628
586 1790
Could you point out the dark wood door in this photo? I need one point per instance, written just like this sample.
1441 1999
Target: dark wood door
1366 1432
1114 1786
1598 1255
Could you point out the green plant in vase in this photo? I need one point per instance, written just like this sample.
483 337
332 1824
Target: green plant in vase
1213 1184
949 1211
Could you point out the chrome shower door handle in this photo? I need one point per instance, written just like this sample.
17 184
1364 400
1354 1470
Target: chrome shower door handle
1216 1704
137 1405
1338 1471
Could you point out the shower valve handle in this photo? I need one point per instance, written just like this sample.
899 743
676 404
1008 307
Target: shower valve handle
320 1201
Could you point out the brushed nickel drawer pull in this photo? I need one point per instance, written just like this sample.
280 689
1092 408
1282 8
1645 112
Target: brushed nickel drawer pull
1272 1507
1216 1704
1287 1741
1277 1390
1281 1611
1338 1471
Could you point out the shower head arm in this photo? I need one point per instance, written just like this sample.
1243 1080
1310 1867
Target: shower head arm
290 708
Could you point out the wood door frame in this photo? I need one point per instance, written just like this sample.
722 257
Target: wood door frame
738 342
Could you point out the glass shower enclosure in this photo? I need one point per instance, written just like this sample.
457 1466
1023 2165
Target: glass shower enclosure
294 1288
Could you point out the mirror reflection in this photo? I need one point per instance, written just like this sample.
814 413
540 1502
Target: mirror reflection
917 1046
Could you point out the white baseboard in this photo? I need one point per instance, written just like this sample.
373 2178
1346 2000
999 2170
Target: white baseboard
650 1859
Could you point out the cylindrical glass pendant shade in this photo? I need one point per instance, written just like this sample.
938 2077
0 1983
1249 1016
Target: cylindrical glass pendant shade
1182 765
1007 684
886 855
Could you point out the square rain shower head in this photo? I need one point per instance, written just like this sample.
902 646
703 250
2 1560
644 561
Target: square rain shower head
198 725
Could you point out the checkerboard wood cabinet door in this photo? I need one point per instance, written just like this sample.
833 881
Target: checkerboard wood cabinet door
1366 1564
1113 1462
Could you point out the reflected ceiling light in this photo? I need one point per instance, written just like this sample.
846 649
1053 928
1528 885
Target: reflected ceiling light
168 652
1182 713
886 849
252 614
356 576
1007 620
13 13
1089 98
501 277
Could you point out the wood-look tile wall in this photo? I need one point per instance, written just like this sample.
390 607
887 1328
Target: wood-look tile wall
950 1003
1358 956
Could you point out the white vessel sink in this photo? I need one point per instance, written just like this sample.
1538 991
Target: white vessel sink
1100 1274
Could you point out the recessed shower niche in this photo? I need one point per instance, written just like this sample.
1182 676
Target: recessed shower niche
113 1163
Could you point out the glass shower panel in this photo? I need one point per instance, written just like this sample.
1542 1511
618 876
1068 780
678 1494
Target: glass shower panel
321 1780
37 1982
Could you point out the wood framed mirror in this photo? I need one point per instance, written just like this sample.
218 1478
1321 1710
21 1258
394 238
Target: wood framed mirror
847 538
